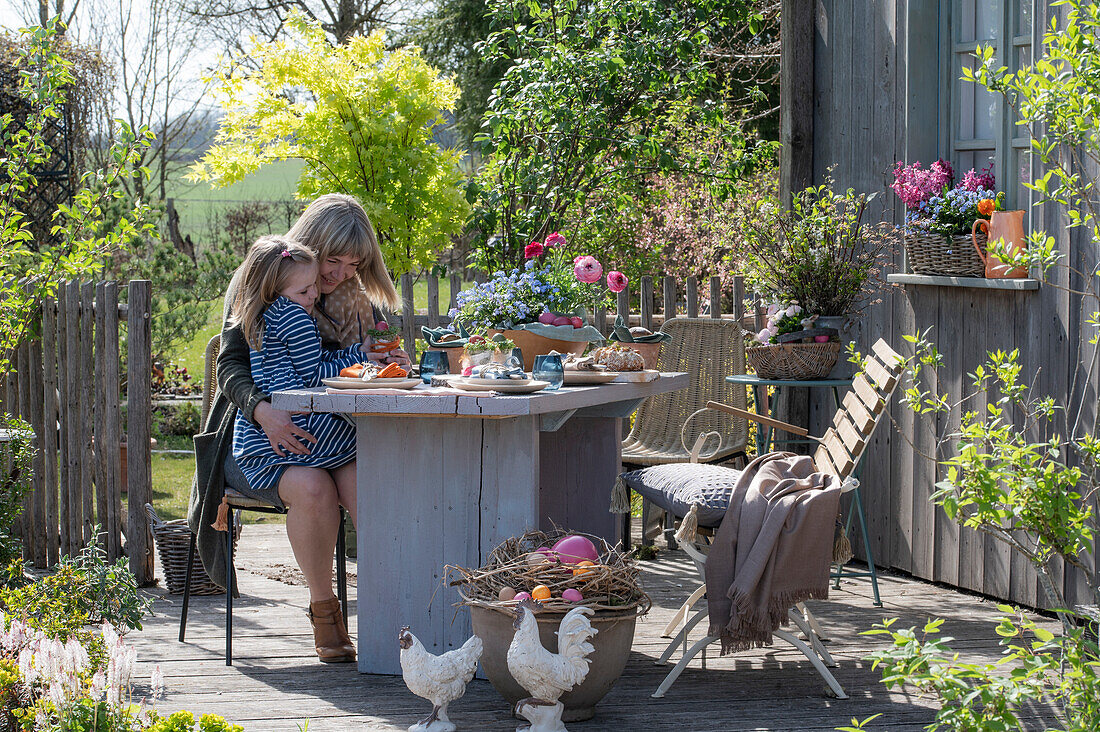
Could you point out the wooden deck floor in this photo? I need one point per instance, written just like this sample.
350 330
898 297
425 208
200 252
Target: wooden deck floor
277 684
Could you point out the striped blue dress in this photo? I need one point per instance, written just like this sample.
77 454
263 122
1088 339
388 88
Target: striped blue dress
292 358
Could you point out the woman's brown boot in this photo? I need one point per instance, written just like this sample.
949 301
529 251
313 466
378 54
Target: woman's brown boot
330 635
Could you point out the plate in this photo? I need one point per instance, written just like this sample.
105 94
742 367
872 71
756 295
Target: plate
528 388
495 382
589 377
348 382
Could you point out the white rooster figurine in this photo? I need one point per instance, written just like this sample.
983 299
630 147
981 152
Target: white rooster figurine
545 675
440 679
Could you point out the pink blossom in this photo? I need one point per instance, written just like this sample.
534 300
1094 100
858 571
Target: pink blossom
555 240
914 185
587 269
973 180
616 281
533 250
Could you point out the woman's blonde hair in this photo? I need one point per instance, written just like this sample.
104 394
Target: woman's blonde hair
335 225
264 273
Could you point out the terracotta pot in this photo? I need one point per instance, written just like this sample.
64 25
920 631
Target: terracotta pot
1009 227
614 636
535 345
124 475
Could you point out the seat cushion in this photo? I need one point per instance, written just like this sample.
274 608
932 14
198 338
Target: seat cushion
676 488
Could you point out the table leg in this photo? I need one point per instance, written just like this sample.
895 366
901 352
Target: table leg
433 492
578 466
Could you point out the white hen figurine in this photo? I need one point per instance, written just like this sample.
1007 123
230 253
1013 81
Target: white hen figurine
545 675
440 679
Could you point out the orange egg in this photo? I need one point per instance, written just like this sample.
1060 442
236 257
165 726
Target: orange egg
541 592
582 568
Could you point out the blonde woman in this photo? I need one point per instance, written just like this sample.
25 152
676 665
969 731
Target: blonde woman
352 282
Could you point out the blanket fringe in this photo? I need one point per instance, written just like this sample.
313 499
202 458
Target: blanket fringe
752 627
689 526
221 523
620 497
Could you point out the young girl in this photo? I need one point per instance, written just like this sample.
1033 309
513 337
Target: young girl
274 307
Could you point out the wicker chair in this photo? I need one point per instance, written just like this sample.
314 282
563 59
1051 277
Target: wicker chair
667 425
239 502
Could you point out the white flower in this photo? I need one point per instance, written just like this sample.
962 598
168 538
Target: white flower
772 309
795 309
763 336
156 681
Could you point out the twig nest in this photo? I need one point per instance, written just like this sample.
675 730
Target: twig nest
572 595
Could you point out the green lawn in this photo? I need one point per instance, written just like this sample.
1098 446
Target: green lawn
172 489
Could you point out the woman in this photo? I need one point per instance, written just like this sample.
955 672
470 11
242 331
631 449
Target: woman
352 281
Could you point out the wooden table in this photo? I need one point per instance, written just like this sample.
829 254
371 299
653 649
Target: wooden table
442 479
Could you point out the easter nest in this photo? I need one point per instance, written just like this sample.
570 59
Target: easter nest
610 584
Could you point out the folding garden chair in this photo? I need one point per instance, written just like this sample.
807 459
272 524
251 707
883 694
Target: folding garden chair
709 350
239 502
838 453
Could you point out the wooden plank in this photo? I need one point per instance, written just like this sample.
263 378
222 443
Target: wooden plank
87 467
849 435
859 415
883 378
600 319
433 300
456 287
37 420
668 294
70 411
112 422
738 297
823 463
946 557
139 539
645 306
837 452
692 294
796 111
716 297
50 432
408 322
25 522
867 394
923 478
890 358
99 427
999 331
622 304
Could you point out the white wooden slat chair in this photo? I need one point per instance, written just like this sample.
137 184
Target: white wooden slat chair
709 350
240 502
838 453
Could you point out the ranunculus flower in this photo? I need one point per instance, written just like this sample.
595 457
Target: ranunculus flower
587 269
555 240
986 206
763 336
616 281
533 250
772 309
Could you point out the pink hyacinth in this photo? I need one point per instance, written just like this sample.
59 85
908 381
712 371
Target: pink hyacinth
616 281
914 185
555 240
532 250
974 180
587 269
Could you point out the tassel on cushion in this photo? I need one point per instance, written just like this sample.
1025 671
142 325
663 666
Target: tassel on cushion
221 523
842 548
689 526
620 497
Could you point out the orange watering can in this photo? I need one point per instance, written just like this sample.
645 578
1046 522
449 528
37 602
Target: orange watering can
1006 225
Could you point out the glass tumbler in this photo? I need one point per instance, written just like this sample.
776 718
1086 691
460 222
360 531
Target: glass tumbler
432 363
549 368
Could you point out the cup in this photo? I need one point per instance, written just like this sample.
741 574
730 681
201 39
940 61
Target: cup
432 363
549 368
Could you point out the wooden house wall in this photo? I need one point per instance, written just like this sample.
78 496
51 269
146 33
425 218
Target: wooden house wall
876 86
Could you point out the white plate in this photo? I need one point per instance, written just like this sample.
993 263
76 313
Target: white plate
502 386
589 377
493 382
348 382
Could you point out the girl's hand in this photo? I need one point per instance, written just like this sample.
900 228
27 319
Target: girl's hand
396 356
281 431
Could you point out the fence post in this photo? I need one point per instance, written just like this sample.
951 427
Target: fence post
739 298
668 293
70 415
138 428
39 426
433 300
692 297
112 434
645 304
87 466
456 287
716 297
49 421
99 428
408 315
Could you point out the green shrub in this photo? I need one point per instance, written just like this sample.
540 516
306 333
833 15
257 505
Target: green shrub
178 419
15 482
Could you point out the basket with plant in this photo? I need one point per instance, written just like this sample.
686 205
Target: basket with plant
384 337
791 347
940 215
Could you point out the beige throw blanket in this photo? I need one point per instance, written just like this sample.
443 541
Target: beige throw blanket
772 550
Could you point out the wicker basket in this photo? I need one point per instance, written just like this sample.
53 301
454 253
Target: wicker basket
936 254
793 360
173 539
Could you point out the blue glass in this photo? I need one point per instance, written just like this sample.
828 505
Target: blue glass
431 364
549 368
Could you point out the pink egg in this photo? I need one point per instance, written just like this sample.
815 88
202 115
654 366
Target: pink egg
521 596
573 549
821 339
572 595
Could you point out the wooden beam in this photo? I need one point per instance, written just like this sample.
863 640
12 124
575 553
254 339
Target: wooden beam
796 98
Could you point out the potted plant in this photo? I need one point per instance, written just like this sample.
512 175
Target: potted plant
541 306
481 350
940 218
793 345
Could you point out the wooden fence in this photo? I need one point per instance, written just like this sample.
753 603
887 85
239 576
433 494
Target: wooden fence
66 384
676 298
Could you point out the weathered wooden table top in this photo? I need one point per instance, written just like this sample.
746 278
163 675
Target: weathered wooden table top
448 404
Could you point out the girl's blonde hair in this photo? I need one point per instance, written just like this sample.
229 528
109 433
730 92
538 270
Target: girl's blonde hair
335 225
264 273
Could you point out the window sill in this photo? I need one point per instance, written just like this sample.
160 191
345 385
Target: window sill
978 283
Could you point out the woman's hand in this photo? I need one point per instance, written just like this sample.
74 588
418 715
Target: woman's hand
397 356
281 431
